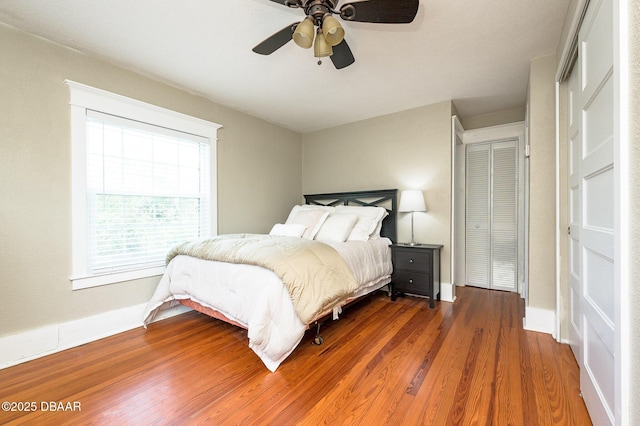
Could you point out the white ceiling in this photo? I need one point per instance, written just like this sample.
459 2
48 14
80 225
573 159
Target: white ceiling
475 52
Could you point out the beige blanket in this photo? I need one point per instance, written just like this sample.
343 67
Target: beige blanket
314 273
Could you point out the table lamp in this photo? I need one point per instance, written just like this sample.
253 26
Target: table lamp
412 200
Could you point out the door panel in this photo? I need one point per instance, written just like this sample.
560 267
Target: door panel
598 270
477 227
600 397
596 46
598 118
504 215
598 200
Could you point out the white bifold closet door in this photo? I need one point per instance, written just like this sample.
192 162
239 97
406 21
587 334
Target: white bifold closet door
492 215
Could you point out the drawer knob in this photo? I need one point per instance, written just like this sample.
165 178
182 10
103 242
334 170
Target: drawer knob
410 281
410 260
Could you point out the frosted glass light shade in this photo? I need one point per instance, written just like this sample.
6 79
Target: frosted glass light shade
412 200
303 35
320 47
332 30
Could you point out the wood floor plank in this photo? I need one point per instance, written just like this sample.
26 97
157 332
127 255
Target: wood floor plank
378 380
382 363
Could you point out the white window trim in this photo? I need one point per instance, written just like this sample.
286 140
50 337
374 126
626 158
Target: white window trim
83 97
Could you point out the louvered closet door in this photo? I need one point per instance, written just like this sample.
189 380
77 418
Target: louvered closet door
477 189
492 213
504 216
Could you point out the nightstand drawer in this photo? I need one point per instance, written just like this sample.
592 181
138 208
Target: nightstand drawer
412 282
412 260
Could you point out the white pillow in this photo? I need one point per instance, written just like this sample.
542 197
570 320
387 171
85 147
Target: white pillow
337 227
375 235
295 209
369 221
290 230
311 219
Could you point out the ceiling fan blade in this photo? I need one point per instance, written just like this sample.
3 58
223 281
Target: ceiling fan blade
380 11
276 41
342 56
289 3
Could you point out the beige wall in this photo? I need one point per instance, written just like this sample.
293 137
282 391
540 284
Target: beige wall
259 164
634 211
542 163
406 150
511 115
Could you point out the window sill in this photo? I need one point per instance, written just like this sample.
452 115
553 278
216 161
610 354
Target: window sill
88 281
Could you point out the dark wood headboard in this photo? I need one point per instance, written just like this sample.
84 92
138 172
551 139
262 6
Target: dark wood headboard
387 198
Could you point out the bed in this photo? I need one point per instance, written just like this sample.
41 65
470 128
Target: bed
331 251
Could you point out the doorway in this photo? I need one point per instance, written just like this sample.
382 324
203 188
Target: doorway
489 223
492 215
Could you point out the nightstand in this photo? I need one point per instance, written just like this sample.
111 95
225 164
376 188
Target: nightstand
416 270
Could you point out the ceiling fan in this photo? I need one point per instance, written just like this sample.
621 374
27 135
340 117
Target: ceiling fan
321 25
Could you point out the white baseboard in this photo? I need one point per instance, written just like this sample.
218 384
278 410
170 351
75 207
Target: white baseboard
447 292
542 320
32 344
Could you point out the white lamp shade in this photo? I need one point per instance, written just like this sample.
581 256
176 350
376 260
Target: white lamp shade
412 200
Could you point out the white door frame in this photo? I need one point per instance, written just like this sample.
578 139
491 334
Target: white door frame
504 132
457 204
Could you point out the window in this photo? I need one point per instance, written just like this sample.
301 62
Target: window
141 184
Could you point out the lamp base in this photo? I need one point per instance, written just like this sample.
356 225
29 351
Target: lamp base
413 242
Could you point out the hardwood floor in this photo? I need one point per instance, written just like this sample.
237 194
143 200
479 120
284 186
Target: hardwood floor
396 363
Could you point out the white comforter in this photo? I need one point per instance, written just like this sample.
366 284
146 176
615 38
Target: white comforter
257 299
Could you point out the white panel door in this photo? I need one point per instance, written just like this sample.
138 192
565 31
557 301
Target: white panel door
575 285
596 238
492 215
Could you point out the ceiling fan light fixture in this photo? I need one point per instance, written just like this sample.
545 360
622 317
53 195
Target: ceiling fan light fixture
329 33
303 35
321 48
332 30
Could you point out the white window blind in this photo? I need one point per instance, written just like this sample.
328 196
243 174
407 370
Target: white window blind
147 190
